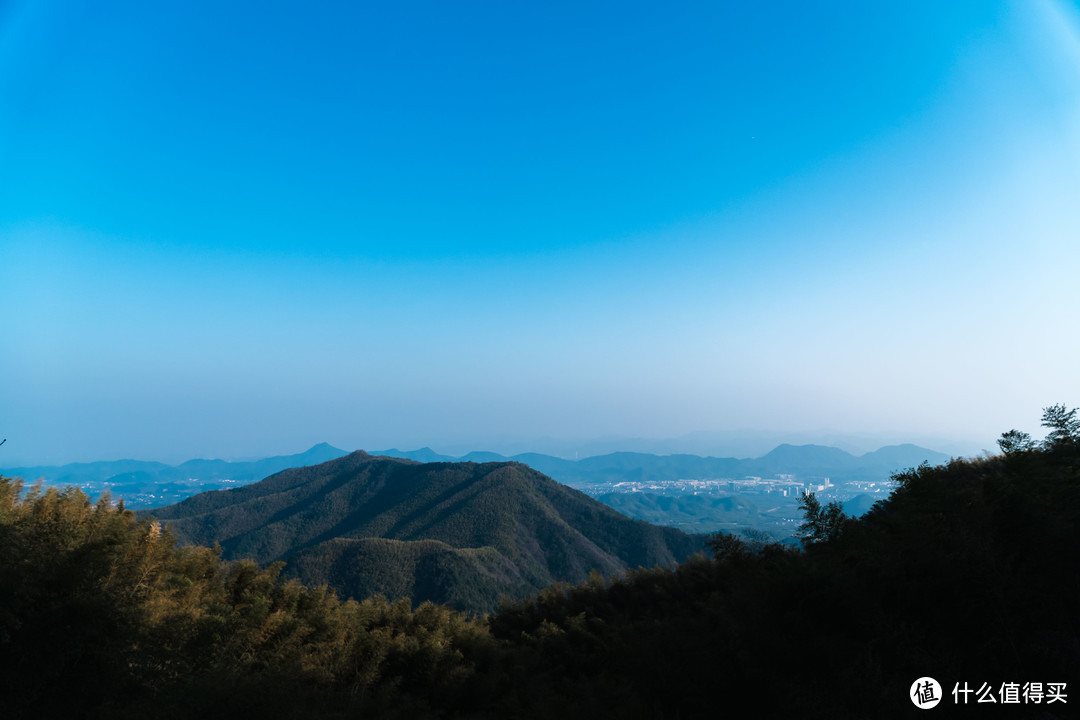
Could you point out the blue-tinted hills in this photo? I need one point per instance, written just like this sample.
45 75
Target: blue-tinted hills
144 484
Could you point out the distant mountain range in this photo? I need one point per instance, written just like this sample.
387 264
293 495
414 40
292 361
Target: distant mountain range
144 484
119 471
149 484
462 533
731 443
802 460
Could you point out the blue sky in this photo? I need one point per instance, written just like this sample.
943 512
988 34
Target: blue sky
237 231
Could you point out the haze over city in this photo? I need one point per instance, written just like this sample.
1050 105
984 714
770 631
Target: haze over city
239 231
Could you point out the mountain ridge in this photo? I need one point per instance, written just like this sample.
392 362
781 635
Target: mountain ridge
144 484
505 529
806 458
104 469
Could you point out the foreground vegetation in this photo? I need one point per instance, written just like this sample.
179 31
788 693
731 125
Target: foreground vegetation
967 573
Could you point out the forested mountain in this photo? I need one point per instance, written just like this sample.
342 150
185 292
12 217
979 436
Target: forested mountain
966 574
456 533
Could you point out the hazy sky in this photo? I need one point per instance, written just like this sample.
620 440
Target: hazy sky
236 229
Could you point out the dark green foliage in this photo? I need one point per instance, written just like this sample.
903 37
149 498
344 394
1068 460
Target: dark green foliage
103 616
968 572
1015 441
1063 423
422 570
821 524
724 546
68 569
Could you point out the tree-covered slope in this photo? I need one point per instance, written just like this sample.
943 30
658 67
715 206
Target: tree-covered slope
464 578
102 616
459 530
966 574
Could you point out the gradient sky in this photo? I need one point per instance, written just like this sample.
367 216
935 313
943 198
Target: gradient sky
236 229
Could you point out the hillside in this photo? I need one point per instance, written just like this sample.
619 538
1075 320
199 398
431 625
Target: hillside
456 533
965 574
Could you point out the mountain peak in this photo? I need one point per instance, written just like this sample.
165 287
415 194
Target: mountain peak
323 447
459 533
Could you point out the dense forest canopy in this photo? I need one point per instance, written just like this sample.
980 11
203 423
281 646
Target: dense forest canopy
967 573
